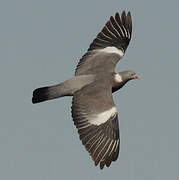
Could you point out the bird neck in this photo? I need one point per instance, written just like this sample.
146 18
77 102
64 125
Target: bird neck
118 82
117 86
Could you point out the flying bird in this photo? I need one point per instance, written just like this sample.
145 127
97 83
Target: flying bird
93 110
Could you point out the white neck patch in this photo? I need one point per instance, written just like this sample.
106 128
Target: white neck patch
103 117
118 78
113 49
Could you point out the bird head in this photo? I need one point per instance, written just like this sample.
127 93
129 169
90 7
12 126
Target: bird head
128 75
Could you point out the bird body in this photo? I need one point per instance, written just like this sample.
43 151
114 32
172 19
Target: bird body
74 84
93 109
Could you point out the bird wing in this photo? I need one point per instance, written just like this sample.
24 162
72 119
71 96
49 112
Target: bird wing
108 47
96 118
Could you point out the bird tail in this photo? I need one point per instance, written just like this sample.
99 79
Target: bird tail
66 88
47 93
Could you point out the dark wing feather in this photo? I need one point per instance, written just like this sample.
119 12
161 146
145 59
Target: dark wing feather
117 34
100 136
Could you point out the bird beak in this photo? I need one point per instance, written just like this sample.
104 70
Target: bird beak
136 77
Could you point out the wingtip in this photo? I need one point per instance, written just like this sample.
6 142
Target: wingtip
123 13
117 15
129 13
101 165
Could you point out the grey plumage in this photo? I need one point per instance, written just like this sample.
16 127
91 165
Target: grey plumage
93 110
92 100
66 88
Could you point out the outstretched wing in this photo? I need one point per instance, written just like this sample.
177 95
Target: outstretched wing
96 118
108 47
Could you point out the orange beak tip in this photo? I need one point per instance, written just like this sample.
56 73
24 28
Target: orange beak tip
137 77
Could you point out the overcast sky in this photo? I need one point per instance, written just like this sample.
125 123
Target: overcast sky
41 42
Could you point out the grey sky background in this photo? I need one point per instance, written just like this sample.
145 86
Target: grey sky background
40 44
